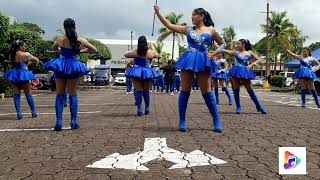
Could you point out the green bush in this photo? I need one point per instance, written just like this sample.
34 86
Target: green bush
9 93
278 81
6 88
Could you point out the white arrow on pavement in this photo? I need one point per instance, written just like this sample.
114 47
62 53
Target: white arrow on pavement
156 149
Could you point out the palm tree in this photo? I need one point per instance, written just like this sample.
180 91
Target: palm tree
165 57
158 48
297 39
229 36
280 29
165 32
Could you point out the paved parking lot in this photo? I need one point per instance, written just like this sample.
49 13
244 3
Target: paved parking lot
109 125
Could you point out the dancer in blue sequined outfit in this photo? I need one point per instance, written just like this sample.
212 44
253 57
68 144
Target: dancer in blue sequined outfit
196 61
20 76
242 72
67 71
306 74
220 77
128 80
142 73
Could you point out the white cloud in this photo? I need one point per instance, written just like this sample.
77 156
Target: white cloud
116 18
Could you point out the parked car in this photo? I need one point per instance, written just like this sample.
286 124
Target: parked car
42 82
258 81
120 79
43 76
289 79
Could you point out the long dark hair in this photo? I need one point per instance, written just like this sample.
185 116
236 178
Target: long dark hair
246 43
142 46
14 48
206 16
70 28
308 49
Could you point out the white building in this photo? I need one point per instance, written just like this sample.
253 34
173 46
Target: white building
119 47
12 20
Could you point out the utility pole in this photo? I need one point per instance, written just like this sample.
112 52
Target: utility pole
131 39
268 39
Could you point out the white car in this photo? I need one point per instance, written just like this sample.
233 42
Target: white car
289 79
258 81
120 79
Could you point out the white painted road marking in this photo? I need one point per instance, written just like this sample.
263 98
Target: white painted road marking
49 100
17 130
292 101
52 113
156 149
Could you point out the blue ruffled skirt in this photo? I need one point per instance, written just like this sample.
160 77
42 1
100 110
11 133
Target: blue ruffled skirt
305 73
141 73
195 62
17 76
220 75
66 68
241 72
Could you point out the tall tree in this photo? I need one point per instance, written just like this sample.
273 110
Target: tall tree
4 27
165 57
314 46
280 28
158 46
104 51
229 36
296 40
28 32
103 54
164 32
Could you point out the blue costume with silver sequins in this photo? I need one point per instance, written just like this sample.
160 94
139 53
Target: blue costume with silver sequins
196 59
240 70
142 70
305 71
219 65
20 73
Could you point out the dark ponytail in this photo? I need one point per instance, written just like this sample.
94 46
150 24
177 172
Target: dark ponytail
246 43
14 48
142 46
70 28
206 17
